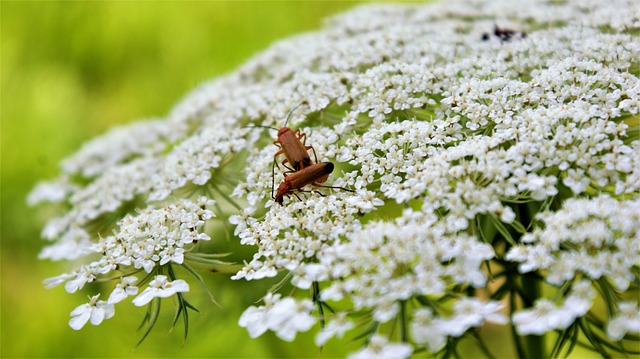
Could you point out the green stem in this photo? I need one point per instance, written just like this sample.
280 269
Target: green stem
531 291
512 308
316 299
403 322
482 345
226 197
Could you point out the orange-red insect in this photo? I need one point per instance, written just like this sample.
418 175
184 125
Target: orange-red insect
314 175
293 145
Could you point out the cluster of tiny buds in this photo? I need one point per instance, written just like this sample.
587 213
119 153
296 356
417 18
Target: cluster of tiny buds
147 241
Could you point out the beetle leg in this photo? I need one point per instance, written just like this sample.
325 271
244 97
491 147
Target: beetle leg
273 175
334 187
302 137
284 164
314 152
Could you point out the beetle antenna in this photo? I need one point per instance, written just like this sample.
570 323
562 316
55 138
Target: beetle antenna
291 112
260 126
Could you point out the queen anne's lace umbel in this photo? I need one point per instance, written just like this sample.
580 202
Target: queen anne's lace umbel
487 143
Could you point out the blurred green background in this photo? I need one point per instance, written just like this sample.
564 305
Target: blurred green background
72 70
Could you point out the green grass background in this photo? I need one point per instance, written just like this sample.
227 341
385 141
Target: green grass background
72 70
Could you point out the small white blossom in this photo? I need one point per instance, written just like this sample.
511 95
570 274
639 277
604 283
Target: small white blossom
123 290
626 321
473 313
254 319
75 243
380 348
288 317
598 233
57 280
335 327
580 298
95 311
84 275
160 287
285 317
53 192
429 330
546 316
542 318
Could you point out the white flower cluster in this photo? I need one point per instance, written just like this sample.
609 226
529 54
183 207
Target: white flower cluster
380 348
146 241
455 135
546 316
98 310
284 316
627 321
461 148
596 237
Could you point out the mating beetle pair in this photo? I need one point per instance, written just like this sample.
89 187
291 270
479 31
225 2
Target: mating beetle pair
301 171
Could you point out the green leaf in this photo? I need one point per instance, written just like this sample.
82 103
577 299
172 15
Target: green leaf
316 299
592 338
561 341
200 280
276 287
503 230
481 344
226 197
518 227
152 317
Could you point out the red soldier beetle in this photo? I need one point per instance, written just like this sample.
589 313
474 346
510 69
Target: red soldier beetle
293 145
314 175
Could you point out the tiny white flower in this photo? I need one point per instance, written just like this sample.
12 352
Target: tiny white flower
537 320
380 348
160 287
470 312
546 316
57 280
335 327
287 317
626 321
429 330
580 298
385 310
172 254
123 290
254 319
309 273
365 200
95 311
82 276
507 215
53 192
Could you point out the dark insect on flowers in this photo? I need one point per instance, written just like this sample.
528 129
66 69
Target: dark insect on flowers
313 175
503 34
